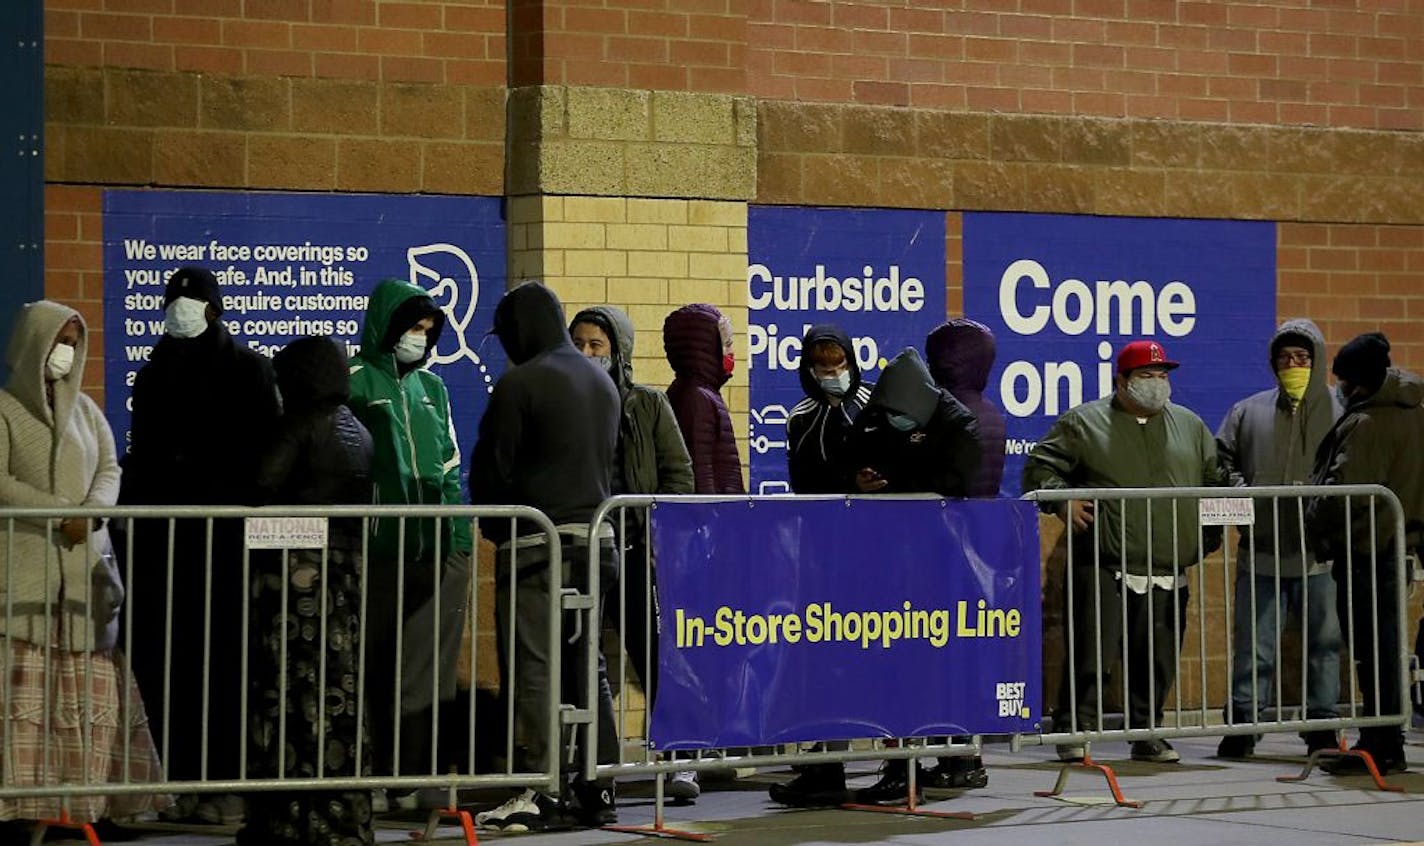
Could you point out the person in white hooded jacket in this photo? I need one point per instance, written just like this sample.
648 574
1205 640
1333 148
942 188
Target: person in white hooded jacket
65 723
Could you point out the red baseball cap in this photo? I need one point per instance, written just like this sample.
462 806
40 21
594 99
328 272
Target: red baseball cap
1143 354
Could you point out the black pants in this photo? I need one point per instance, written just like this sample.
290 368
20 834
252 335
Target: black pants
1156 622
641 623
1376 671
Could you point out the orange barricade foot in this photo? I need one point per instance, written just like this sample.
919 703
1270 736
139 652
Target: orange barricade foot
660 830
1088 764
63 821
467 824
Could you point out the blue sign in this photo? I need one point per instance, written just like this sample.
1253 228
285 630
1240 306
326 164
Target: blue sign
292 265
791 620
877 273
1063 293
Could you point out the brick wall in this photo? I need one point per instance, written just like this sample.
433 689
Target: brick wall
1324 64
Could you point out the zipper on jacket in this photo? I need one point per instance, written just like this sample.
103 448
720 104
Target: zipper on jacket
414 466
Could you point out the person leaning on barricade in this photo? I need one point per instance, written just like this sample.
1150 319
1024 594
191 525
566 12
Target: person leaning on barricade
911 437
416 461
203 407
1378 440
319 455
61 591
1270 438
547 440
651 459
1135 438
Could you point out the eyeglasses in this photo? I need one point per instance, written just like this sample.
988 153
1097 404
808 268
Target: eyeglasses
1300 357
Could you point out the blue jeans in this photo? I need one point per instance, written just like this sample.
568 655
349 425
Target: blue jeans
1322 643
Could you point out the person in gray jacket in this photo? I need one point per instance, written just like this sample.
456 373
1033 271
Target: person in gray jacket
1135 438
1270 438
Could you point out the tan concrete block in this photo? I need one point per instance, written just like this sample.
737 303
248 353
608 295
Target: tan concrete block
1160 144
691 170
105 155
1129 192
143 98
532 208
485 114
698 239
651 317
1026 138
792 127
596 209
779 178
660 265
1301 150
712 291
574 236
1198 194
642 210
641 290
234 102
917 183
878 131
1236 148
716 213
656 372
422 111
73 95
1060 188
1266 196
291 161
516 237
715 266
212 159
1089 141
951 135
637 236
54 138
582 167
522 167
335 107
745 109
608 114
838 180
989 186
377 165
694 118
554 262
527 115
528 265
581 290
596 263
737 240
462 168
1393 200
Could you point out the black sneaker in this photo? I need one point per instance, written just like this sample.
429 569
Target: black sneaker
1236 746
893 788
1154 751
1386 761
1317 741
818 785
594 804
956 773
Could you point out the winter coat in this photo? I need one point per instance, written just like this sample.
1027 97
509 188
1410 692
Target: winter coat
1266 439
816 430
550 431
321 454
655 460
407 412
940 455
693 344
1101 445
52 456
1378 440
960 355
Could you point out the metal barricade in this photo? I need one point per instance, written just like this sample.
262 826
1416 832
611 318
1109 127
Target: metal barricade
1368 570
247 598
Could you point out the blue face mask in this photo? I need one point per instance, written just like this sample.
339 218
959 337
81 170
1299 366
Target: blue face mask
902 422
836 386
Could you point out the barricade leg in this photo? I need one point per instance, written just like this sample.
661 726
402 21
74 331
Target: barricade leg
659 828
1089 764
910 808
37 836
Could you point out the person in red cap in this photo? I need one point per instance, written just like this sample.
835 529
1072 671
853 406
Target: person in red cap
1135 438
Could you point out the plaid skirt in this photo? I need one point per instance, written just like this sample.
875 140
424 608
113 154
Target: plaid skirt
72 718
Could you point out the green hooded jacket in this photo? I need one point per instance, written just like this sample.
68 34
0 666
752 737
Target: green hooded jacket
417 458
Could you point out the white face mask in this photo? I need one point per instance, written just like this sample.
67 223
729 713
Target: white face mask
60 362
186 318
1151 394
411 347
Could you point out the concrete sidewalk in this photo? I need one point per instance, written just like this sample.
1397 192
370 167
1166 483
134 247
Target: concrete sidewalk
1200 802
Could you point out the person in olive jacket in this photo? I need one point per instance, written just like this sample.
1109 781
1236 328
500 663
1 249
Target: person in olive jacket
416 461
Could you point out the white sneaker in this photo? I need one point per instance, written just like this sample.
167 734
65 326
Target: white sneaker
529 811
380 803
683 786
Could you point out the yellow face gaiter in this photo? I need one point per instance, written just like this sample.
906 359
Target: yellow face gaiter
1294 381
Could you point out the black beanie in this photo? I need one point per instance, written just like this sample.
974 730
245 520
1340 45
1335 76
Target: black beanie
195 283
1291 339
1363 361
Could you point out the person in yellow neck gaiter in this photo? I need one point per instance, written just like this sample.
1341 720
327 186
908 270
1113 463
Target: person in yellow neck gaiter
1293 371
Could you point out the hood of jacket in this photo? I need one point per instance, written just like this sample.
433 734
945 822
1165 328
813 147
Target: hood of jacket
618 326
312 374
387 299
1317 408
827 332
530 320
905 386
31 339
693 344
960 354
1400 388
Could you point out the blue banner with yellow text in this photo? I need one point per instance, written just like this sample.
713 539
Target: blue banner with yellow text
801 619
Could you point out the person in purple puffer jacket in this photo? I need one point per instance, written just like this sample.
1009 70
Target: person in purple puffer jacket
697 339
960 354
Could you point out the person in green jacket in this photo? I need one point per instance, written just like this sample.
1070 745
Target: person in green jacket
1134 438
651 459
416 461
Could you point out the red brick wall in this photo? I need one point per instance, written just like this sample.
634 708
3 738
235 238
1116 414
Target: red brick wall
1334 63
458 42
74 264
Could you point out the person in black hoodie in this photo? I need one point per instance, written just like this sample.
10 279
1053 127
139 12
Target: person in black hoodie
203 407
321 455
817 427
547 440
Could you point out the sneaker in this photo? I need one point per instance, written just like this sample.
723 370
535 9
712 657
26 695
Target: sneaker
1317 741
1236 746
956 773
380 801
1155 751
1072 752
683 788
1386 761
408 801
594 804
223 809
893 788
182 808
528 811
818 785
